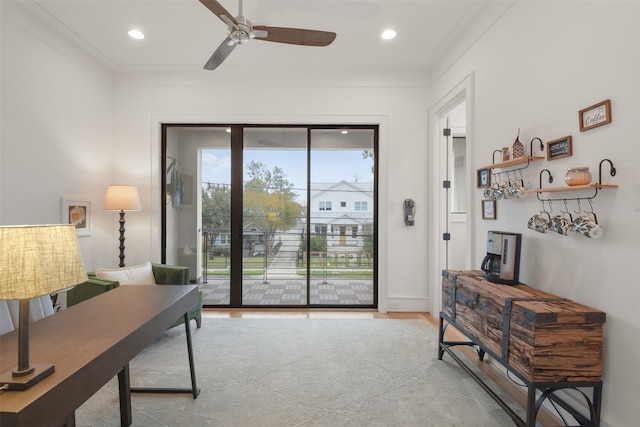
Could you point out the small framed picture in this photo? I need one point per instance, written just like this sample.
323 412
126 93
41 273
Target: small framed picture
596 115
78 213
484 178
488 209
559 148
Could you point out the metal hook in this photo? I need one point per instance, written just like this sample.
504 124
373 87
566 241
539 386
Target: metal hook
550 177
612 171
493 156
595 218
566 210
579 207
531 146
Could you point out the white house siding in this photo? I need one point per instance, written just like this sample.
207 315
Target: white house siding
343 197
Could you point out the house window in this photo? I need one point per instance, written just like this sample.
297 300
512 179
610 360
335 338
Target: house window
354 231
343 204
361 206
321 229
225 239
325 206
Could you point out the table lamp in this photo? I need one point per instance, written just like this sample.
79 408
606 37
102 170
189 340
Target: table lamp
36 260
122 198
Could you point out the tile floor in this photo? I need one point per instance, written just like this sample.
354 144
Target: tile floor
336 292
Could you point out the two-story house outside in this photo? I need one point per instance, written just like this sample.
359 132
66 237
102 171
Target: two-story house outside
343 212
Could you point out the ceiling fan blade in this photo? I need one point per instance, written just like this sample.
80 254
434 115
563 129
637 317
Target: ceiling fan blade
218 10
295 36
220 54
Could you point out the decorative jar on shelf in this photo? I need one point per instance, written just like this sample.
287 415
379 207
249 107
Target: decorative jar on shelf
505 154
578 176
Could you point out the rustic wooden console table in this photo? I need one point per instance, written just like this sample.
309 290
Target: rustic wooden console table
549 343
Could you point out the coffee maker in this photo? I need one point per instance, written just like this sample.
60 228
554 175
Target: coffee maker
502 263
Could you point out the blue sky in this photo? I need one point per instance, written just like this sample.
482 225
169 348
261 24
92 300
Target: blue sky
326 166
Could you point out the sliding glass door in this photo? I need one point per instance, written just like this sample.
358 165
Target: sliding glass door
275 182
341 217
273 215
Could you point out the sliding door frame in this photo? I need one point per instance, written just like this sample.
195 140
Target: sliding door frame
237 150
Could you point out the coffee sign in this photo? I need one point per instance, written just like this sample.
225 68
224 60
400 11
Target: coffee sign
596 115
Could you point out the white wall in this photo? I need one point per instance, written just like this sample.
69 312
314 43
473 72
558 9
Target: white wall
56 131
143 101
535 69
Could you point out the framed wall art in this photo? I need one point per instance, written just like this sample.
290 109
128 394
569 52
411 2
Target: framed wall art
489 209
597 115
78 213
559 148
484 178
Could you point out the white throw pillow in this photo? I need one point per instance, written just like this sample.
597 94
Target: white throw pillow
135 275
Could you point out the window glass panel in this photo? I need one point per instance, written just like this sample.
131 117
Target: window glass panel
342 260
458 184
275 187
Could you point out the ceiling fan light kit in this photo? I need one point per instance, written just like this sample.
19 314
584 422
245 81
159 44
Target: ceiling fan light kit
241 31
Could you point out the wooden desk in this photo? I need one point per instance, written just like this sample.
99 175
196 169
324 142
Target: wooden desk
89 344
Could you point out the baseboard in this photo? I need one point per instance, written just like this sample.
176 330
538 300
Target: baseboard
405 304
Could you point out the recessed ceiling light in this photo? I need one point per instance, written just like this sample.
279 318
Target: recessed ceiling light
136 34
228 130
344 132
388 34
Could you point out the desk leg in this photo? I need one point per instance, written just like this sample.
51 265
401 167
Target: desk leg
192 367
531 406
194 390
124 385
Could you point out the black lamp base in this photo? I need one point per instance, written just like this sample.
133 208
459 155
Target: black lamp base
9 381
121 239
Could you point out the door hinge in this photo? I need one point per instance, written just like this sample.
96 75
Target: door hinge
446 132
446 236
446 184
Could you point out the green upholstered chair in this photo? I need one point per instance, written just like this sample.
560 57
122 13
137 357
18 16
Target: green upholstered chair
163 274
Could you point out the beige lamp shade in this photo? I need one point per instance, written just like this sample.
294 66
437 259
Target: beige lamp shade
38 260
122 198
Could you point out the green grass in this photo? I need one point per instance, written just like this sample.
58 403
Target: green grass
336 273
253 262
227 272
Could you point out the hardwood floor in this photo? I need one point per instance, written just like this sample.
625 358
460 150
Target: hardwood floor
313 314
518 393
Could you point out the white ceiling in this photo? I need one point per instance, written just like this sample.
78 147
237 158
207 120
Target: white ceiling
182 34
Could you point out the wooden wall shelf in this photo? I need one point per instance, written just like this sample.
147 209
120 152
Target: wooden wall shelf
514 162
572 188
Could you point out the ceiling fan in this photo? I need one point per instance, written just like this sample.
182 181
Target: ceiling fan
240 31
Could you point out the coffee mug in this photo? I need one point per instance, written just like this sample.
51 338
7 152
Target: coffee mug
518 190
490 192
588 226
560 224
504 192
539 223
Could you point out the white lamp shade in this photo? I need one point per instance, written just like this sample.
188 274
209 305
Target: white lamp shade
122 198
39 260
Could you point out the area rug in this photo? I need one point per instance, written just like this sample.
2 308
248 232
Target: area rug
300 372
